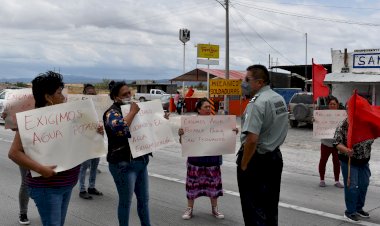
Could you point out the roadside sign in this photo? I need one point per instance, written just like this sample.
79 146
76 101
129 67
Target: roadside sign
225 87
207 62
208 51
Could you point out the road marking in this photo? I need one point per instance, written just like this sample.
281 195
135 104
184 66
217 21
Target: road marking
281 204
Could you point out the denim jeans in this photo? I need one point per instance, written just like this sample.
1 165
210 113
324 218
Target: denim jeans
132 177
23 196
355 194
52 203
93 165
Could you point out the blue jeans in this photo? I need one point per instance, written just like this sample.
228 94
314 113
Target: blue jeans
132 177
355 194
52 203
93 164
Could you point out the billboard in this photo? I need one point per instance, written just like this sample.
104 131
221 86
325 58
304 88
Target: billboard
208 51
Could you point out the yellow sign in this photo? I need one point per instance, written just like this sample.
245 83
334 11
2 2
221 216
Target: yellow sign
208 51
225 87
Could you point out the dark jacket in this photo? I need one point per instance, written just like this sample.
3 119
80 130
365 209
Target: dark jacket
118 146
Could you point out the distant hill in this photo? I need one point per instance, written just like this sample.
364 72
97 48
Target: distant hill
73 79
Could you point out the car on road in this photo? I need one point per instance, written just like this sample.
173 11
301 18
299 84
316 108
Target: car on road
301 109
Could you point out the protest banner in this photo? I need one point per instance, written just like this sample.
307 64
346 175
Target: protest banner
208 135
64 134
149 129
326 121
101 102
16 100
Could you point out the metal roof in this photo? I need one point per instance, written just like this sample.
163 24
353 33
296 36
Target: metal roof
200 74
300 69
351 77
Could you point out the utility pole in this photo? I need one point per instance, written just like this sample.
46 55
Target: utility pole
306 58
227 69
184 36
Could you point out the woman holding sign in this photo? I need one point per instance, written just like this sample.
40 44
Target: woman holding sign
328 149
204 177
51 191
130 174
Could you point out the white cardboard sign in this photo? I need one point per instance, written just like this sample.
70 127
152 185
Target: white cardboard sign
208 135
101 102
326 121
17 100
149 129
64 134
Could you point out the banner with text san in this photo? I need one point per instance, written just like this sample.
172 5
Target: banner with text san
101 102
149 129
208 135
64 134
17 100
326 121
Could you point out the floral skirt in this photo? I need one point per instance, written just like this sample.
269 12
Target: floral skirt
203 181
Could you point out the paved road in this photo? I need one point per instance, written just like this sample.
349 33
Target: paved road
302 201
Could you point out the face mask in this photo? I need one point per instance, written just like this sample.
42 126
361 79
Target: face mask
246 88
126 100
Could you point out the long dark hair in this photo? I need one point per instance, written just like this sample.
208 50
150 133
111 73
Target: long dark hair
115 87
45 83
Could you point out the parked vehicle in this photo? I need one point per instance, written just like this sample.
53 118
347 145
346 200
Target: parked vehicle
287 93
152 95
301 108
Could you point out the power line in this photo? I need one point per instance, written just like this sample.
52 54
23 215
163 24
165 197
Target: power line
315 5
307 16
245 37
262 38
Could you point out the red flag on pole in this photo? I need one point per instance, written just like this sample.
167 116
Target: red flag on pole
318 75
363 120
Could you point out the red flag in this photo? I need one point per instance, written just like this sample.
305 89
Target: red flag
318 75
363 120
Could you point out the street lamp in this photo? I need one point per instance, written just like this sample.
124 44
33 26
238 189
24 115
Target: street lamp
184 36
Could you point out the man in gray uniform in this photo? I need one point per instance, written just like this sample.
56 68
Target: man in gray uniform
264 128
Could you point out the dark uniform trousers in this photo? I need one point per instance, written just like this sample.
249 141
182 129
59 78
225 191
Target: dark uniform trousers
259 187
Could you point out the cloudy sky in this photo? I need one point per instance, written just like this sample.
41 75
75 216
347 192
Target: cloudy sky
138 39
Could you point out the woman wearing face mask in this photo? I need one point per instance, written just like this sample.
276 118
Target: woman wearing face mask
130 174
204 177
51 191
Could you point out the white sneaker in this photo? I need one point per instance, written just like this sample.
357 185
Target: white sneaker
216 213
188 213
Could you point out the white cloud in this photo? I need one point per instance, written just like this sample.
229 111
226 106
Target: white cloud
125 38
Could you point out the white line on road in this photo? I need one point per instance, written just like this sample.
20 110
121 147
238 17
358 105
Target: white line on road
281 204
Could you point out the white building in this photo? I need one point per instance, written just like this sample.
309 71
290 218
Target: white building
358 70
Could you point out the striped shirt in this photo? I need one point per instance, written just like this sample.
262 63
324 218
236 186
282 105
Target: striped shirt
61 179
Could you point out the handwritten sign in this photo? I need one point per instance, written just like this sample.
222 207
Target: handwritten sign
208 135
101 102
17 100
63 134
149 129
326 121
208 51
225 87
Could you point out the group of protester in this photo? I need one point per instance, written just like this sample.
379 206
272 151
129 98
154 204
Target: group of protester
259 162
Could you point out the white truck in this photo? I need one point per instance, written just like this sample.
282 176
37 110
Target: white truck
152 95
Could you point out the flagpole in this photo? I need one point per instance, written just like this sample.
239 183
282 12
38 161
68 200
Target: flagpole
349 138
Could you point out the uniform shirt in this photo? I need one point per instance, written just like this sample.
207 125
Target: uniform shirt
266 115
